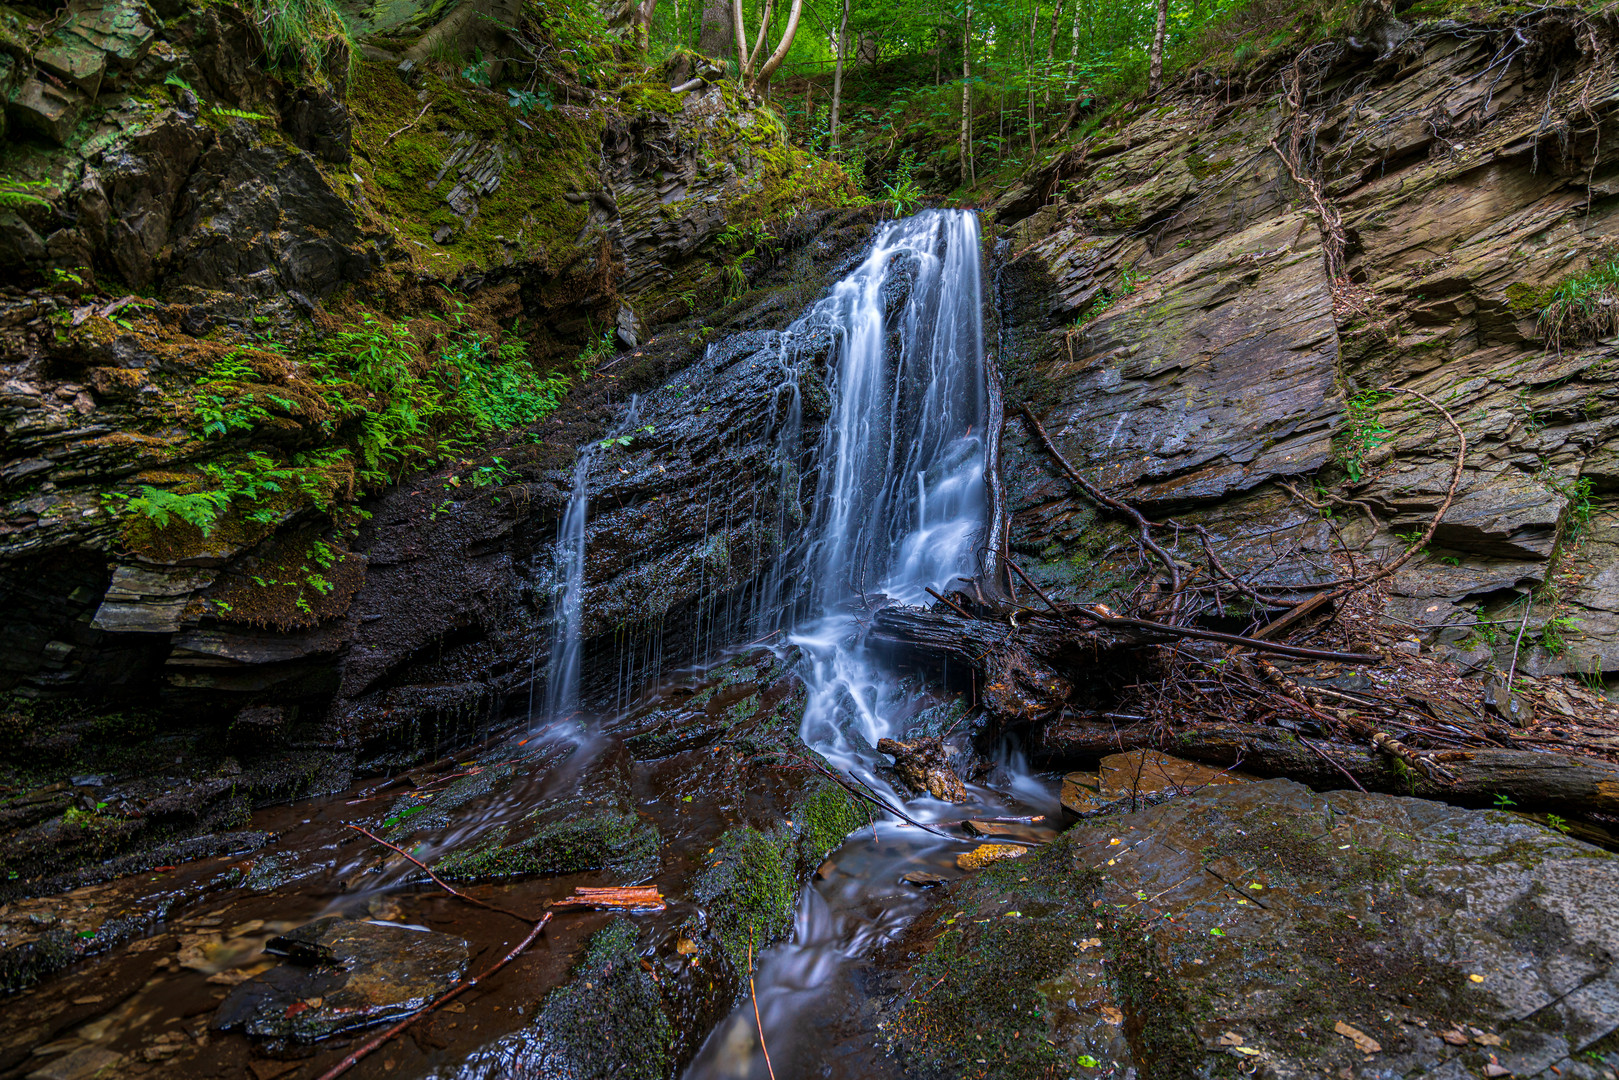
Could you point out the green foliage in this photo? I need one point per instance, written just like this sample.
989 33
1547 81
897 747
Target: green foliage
1583 306
526 101
1363 431
903 192
1557 822
160 506
1552 634
306 38
19 194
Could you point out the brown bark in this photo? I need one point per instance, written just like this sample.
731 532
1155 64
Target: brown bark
715 34
1534 781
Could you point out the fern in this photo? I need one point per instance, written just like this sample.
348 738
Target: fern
237 114
17 200
160 506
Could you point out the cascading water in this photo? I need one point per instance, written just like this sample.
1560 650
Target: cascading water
902 508
562 669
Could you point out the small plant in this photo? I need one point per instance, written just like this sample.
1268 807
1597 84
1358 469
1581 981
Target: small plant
19 194
1504 802
903 192
1363 431
1583 306
526 101
1591 676
478 72
1552 637
238 114
1558 823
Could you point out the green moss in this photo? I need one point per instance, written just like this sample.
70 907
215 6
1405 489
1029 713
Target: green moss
616 840
545 156
824 816
987 973
608 1023
1527 300
748 891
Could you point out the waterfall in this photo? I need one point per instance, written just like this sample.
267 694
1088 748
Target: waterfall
902 506
562 669
902 502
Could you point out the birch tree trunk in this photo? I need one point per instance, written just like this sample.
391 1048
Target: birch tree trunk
967 176
1155 76
837 74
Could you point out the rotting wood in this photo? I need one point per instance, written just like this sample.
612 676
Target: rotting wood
1555 782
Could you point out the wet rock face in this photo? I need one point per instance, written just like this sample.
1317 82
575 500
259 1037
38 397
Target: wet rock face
1256 923
344 975
1170 317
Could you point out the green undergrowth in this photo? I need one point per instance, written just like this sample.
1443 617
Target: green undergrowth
280 430
305 40
541 156
752 879
608 1021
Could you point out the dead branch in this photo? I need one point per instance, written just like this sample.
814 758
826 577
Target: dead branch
392 135
624 898
440 882
1320 600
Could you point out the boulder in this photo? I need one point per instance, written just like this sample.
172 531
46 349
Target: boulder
1262 925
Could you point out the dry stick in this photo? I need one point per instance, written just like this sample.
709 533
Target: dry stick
1528 606
1322 599
862 792
1100 496
353 1059
392 135
440 882
755 995
1323 756
957 608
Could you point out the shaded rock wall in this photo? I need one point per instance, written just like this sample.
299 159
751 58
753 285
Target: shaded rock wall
1185 334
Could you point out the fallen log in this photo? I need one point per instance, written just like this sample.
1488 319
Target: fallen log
1558 783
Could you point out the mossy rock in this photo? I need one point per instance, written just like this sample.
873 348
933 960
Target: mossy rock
608 1023
579 839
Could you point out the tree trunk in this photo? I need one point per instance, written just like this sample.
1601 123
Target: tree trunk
1051 49
1155 76
837 74
967 176
716 31
764 32
776 58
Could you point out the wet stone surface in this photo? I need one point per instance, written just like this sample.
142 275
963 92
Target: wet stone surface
344 975
1265 927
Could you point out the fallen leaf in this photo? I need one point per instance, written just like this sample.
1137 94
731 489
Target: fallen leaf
1487 1039
1231 1038
1454 1037
1217 932
1112 1016
1248 1050
1362 1041
1476 978
1090 943
1494 1069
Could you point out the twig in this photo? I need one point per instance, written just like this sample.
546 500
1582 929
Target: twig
756 1021
440 882
1528 606
353 1059
1232 639
1323 756
392 135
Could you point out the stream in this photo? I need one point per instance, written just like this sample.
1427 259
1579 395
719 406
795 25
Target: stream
901 509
